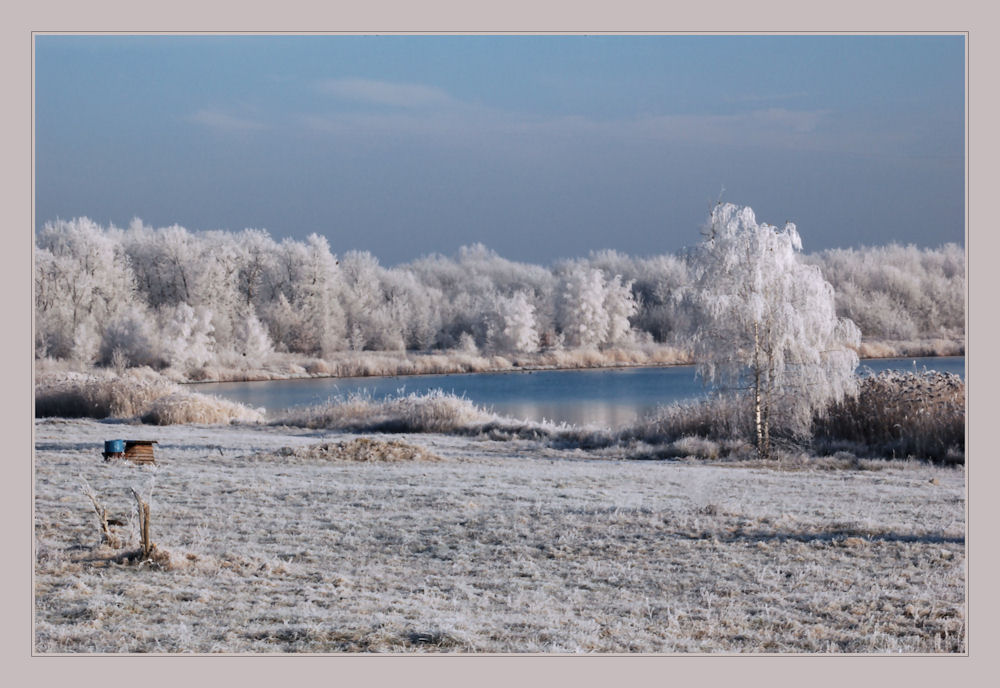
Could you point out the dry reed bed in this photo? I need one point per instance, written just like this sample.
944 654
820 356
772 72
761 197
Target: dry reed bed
138 393
392 363
899 414
885 348
500 547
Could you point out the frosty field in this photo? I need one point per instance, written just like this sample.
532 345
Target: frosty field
505 547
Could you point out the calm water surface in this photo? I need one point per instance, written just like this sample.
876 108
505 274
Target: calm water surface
601 397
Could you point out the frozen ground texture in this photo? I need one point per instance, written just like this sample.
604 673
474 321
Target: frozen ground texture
496 547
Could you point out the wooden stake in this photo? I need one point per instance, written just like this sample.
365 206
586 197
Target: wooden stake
147 544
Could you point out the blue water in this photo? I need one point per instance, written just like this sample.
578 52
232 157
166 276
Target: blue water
603 397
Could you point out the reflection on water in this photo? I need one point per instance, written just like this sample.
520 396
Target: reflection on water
607 398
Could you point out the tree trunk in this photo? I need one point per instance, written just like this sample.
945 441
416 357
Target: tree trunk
759 425
768 397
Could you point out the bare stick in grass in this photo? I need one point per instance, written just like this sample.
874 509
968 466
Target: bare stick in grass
102 516
147 544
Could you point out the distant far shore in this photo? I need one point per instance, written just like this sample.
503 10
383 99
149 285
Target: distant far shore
288 366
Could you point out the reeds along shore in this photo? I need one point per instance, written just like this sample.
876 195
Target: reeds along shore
892 415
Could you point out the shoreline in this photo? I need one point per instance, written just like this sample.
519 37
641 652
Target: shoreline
511 367
499 371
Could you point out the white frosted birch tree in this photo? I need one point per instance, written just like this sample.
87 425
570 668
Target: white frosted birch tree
511 323
582 315
767 326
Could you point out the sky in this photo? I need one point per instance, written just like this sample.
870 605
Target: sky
539 147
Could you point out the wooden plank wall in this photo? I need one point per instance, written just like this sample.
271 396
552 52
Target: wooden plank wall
139 453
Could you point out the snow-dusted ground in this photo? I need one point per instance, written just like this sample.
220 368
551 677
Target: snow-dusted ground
499 547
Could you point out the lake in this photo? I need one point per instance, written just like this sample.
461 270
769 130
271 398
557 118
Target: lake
606 397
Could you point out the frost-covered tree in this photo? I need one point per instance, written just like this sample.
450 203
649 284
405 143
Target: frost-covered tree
767 324
302 308
511 324
899 292
131 336
594 311
582 317
82 282
620 305
186 335
254 342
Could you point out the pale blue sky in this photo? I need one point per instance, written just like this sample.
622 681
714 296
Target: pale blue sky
538 146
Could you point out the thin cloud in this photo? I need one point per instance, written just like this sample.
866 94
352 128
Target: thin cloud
769 126
216 119
387 93
764 97
773 127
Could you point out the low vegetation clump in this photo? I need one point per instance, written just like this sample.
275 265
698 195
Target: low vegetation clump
712 418
898 415
363 449
137 393
187 407
435 411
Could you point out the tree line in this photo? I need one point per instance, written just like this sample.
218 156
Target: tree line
168 296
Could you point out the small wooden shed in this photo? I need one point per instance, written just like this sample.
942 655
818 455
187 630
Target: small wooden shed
136 451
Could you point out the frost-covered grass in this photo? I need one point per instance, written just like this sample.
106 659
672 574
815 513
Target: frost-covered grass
140 393
271 546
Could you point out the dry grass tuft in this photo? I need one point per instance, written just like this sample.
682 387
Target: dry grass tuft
185 407
362 449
